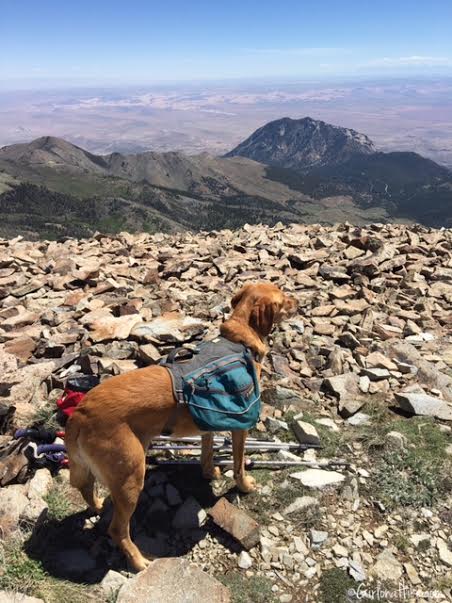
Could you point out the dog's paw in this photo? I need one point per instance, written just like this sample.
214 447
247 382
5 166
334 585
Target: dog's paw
141 563
246 484
216 473
98 507
213 473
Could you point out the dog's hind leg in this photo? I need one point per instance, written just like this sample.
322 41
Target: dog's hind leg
126 480
82 479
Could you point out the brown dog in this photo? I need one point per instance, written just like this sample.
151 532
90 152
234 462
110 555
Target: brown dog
110 431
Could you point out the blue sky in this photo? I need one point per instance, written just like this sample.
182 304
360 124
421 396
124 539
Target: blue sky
144 41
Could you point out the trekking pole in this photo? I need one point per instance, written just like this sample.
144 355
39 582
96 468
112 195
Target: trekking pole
250 464
195 444
198 439
228 447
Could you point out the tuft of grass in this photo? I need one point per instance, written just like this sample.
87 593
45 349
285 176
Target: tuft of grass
262 476
286 489
421 432
284 492
285 496
19 572
415 476
405 479
333 443
59 507
444 584
312 517
289 435
256 589
46 415
334 586
62 500
402 542
423 546
337 586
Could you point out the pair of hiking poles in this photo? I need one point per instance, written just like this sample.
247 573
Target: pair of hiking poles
54 450
223 446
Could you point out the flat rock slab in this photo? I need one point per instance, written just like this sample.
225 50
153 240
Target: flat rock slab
387 567
300 504
359 419
236 522
13 502
379 360
343 386
112 582
376 374
173 580
349 406
357 571
306 433
318 537
40 484
445 554
346 389
427 372
171 327
21 347
424 405
111 327
318 478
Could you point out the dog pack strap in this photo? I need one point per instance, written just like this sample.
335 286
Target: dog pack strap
179 354
83 383
169 426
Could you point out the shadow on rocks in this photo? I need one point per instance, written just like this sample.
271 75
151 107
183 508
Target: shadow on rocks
68 550
169 521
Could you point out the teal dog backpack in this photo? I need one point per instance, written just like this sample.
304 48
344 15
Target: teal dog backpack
218 382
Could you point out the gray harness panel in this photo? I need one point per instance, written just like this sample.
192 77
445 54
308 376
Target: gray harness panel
180 362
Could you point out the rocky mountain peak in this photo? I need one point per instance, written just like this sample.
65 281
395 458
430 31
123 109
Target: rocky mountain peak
53 152
303 144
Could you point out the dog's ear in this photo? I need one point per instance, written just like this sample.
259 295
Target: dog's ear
263 315
239 296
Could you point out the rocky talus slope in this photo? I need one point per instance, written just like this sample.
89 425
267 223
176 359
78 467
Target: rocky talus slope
365 368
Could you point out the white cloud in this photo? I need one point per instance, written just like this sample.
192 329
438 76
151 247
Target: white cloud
414 60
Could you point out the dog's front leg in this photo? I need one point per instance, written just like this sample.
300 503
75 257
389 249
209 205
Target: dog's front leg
245 483
209 471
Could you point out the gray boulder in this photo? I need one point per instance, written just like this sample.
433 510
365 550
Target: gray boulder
424 405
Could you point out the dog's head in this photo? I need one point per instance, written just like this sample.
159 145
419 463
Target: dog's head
262 306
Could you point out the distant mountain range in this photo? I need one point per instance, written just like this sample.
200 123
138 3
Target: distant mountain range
289 170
